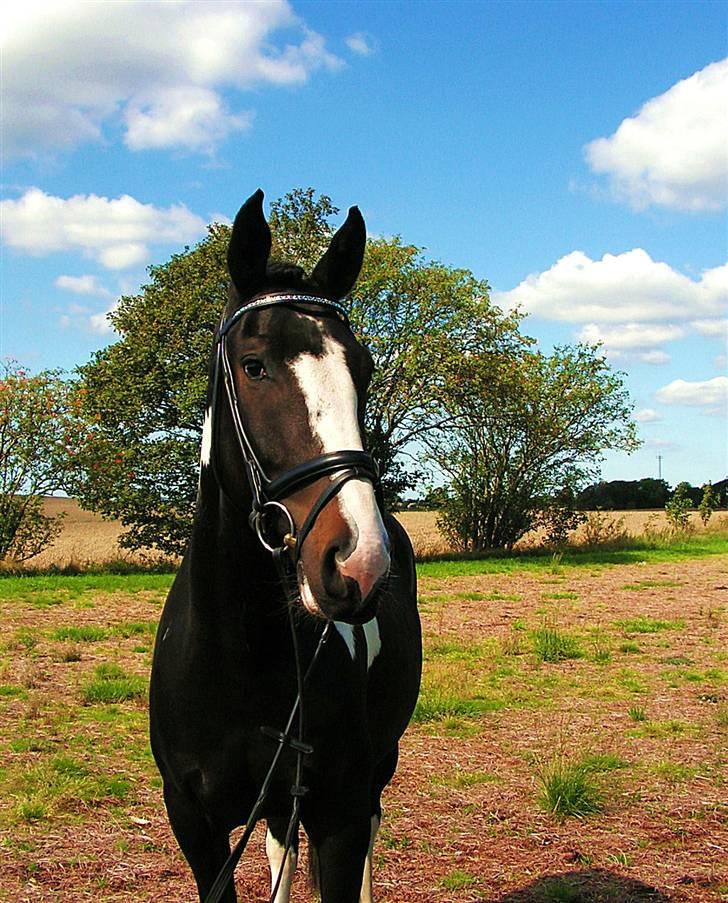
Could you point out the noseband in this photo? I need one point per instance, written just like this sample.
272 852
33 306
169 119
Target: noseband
268 494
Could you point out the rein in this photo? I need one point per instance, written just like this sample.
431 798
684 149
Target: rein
267 501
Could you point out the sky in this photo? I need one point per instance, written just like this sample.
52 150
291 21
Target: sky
574 154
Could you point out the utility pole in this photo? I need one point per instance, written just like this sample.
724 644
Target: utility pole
659 467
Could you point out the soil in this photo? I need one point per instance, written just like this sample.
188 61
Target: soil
663 831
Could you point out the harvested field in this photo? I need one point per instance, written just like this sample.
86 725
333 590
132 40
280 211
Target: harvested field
86 537
618 671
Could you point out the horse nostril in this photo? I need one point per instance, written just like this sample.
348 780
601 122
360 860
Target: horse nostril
334 582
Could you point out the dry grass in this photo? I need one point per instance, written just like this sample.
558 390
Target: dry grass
427 541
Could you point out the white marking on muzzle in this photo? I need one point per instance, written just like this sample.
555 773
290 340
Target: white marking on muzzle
331 401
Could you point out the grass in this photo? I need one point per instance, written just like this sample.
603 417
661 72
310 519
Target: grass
569 788
553 645
639 550
642 624
112 684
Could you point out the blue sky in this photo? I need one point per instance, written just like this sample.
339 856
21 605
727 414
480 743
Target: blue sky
573 154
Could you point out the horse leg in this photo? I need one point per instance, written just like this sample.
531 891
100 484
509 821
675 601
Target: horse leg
280 863
204 850
367 893
340 857
382 776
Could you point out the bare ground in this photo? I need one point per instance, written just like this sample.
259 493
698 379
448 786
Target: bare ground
462 821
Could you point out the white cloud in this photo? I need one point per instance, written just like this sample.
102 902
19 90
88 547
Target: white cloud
717 327
647 415
191 117
360 44
711 394
673 153
116 232
619 288
82 285
630 336
99 323
72 70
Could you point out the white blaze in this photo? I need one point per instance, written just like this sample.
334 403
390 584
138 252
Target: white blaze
331 400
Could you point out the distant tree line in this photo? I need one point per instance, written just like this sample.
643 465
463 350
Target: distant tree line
628 495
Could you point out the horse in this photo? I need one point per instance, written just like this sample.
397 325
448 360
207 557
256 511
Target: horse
296 593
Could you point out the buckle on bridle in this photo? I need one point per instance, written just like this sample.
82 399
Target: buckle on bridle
262 529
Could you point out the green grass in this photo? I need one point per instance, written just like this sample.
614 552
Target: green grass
569 788
111 684
643 624
48 590
639 550
86 634
457 880
553 645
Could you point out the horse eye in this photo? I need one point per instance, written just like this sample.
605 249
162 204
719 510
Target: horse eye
254 369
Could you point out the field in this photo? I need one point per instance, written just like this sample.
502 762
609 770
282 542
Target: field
87 537
569 743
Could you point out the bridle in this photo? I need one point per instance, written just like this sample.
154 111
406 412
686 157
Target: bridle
268 494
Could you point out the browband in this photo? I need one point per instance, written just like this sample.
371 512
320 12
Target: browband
274 298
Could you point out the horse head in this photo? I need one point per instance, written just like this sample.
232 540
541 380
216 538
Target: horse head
298 379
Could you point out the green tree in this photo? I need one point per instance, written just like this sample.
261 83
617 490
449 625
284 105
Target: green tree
38 436
145 393
524 427
708 503
678 508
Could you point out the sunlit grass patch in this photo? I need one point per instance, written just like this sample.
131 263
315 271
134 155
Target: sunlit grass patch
58 785
650 584
84 634
553 645
111 684
560 596
569 788
457 880
439 703
661 729
642 624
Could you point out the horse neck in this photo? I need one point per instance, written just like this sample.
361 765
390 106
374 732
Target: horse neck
230 573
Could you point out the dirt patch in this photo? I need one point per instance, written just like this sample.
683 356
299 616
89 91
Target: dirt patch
645 698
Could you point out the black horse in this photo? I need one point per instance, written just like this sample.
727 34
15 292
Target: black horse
287 529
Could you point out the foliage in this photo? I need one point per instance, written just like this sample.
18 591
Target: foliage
624 495
144 395
38 437
602 530
708 503
523 426
677 510
559 517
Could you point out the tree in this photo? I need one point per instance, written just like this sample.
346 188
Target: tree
678 508
145 394
708 503
38 436
525 427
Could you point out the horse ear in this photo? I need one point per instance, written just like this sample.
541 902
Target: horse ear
249 247
336 272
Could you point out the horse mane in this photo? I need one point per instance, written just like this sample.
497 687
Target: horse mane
288 275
